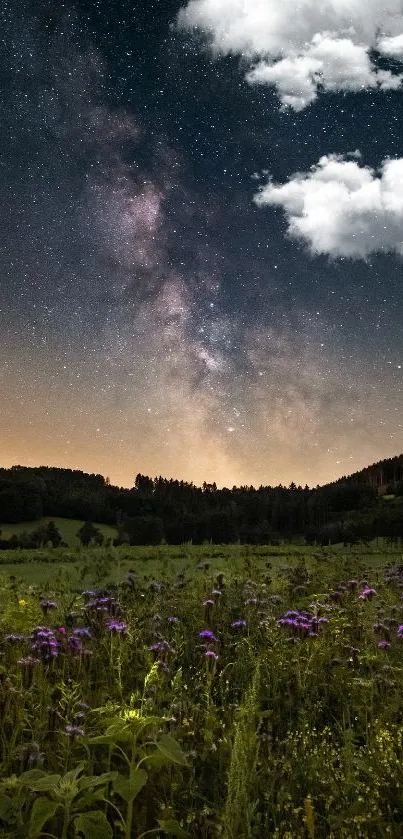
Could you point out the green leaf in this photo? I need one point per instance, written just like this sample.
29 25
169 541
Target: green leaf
73 773
156 760
119 732
129 787
96 780
6 808
88 798
43 809
116 733
93 825
172 827
150 720
33 775
171 749
48 783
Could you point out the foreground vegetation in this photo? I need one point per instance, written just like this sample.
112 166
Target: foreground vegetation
230 692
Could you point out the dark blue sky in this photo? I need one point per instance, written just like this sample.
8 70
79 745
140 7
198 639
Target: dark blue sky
154 318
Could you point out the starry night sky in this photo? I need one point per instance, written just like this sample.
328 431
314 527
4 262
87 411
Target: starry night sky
155 317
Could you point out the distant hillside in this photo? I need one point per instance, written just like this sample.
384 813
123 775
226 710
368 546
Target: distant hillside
67 528
356 507
385 475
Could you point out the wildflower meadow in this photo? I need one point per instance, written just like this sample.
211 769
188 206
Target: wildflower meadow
243 694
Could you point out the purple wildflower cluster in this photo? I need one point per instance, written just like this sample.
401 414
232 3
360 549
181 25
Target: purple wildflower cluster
305 624
209 638
101 605
367 593
382 628
343 589
238 624
117 626
45 644
102 610
162 651
47 605
74 731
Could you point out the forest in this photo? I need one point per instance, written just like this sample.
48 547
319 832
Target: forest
360 507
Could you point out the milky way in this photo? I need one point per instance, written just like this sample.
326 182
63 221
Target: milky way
180 293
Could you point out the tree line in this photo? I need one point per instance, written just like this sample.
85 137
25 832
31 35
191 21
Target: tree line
359 507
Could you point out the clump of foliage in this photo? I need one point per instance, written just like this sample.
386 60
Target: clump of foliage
205 703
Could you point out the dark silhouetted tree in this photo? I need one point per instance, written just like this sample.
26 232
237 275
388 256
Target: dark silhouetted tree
88 533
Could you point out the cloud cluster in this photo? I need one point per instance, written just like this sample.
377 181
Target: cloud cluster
341 208
302 48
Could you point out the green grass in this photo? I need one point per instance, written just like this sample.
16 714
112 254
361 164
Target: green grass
67 527
274 731
166 562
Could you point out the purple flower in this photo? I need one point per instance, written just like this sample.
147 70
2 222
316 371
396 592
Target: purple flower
383 645
287 622
48 604
367 593
117 626
206 633
211 654
82 632
161 648
75 644
42 632
74 731
303 622
101 604
238 624
45 643
46 649
173 619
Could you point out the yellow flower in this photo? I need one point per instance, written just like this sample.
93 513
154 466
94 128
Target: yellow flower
22 603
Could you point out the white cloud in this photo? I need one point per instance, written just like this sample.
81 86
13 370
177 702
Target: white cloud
392 46
340 208
300 48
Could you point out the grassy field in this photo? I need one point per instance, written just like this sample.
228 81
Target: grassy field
167 561
213 692
68 529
